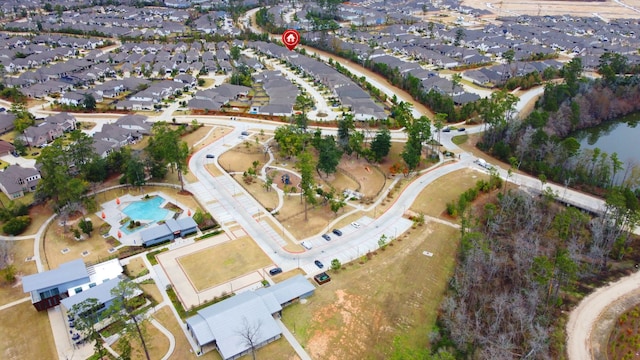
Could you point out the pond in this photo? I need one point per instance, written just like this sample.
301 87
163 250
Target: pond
621 136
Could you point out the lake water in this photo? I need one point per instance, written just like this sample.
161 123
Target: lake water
621 136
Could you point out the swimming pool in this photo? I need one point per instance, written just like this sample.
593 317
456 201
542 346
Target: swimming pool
147 210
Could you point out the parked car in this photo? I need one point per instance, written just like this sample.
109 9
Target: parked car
326 237
447 129
3 109
245 133
210 156
322 278
307 245
337 232
275 271
319 264
462 129
355 225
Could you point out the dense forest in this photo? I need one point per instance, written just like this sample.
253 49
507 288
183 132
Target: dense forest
542 143
521 261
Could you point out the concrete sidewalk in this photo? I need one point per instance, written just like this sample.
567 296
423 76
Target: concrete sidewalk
292 340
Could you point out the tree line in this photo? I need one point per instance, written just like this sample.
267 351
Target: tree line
542 143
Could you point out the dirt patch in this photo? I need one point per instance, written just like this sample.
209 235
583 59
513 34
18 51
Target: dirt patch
369 177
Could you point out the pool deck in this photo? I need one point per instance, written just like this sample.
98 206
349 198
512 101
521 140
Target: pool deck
113 215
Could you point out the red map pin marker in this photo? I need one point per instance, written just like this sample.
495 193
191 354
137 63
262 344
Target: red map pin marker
290 38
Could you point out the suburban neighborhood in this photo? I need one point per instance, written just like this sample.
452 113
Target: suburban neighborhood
177 183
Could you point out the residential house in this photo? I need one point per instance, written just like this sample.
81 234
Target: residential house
137 124
220 325
42 134
64 120
16 180
6 148
6 122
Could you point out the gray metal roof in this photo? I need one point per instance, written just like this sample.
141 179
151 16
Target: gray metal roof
186 223
289 289
67 272
225 321
155 232
100 292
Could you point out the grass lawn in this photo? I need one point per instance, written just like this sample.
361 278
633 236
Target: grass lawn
150 288
396 293
20 250
460 139
58 238
26 334
268 199
277 350
220 263
433 199
135 268
156 342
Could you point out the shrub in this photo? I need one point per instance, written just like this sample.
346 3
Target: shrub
16 225
86 226
9 273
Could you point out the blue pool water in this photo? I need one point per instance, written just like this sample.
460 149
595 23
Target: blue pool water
146 211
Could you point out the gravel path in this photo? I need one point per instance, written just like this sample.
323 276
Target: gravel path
590 323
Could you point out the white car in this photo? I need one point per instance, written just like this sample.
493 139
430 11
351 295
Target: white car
307 245
355 225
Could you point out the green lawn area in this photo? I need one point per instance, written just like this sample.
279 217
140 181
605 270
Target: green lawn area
219 263
460 139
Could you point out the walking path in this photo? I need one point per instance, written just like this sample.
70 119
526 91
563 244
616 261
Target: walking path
293 341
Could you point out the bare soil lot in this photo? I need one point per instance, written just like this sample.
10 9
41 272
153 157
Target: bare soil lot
607 9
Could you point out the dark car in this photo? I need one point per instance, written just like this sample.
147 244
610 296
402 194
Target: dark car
462 129
319 264
326 237
337 232
210 156
275 271
446 129
3 109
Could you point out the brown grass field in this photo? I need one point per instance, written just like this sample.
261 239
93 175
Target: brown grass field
219 263
396 293
21 323
433 199
10 292
157 343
